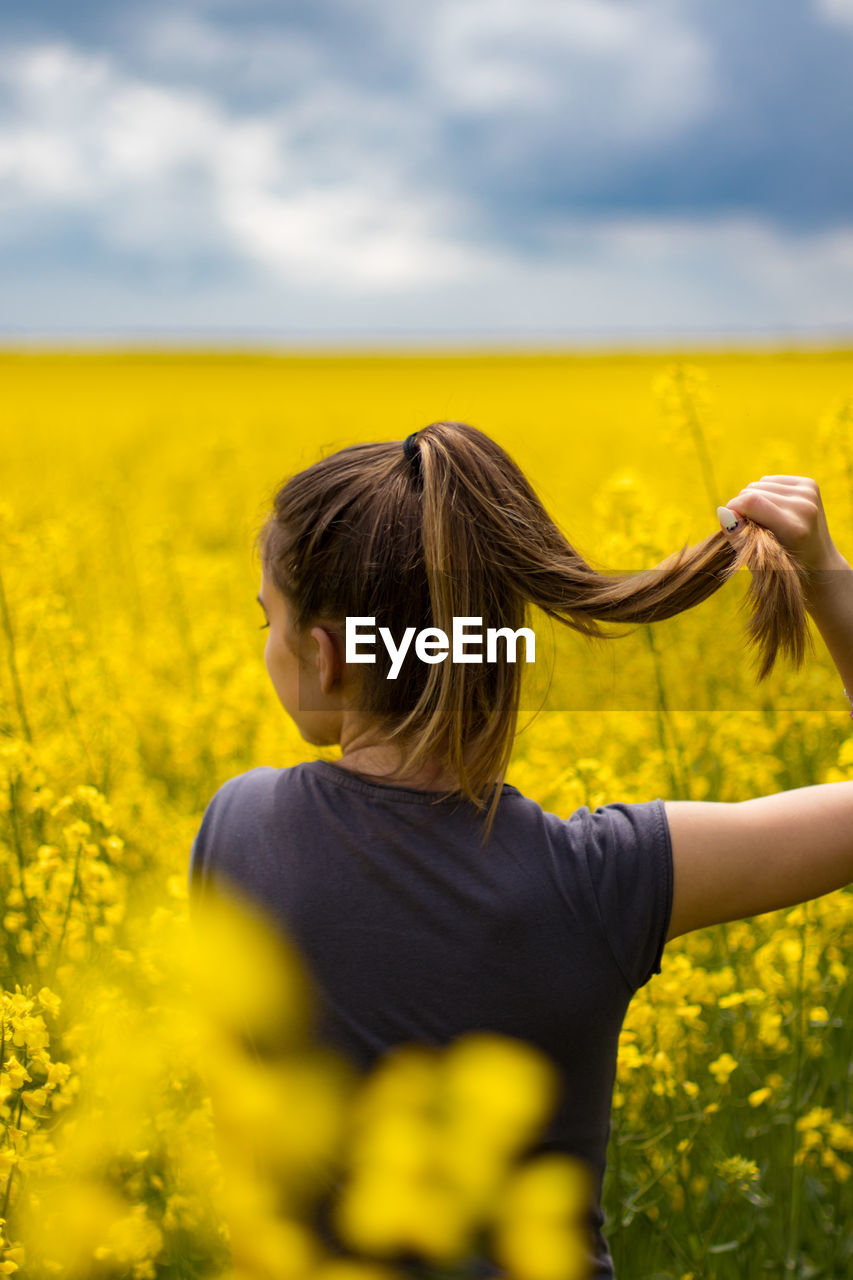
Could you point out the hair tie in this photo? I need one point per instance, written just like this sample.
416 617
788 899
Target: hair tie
412 452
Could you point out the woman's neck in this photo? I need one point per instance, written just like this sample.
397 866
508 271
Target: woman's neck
382 763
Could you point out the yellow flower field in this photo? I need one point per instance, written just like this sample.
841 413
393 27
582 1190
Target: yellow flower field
132 684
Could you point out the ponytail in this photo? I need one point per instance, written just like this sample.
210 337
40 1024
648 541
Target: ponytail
451 527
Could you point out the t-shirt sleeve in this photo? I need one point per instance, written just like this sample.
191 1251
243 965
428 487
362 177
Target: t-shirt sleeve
225 822
628 855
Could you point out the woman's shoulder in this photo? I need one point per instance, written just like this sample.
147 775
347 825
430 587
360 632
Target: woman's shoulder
262 786
251 781
242 807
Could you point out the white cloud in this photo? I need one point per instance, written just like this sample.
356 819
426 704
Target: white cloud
601 69
586 81
171 172
335 181
333 208
186 42
610 282
354 238
839 11
732 271
647 275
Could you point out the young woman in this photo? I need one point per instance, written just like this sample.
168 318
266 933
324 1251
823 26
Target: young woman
428 897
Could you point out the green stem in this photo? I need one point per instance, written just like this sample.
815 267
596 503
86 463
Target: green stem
13 663
617 1239
796 1171
55 958
641 1191
19 849
709 1235
680 1254
12 1170
732 958
688 1201
69 703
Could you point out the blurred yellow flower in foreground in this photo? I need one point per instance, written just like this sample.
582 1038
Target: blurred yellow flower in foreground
416 1159
86 1221
432 1141
541 1235
245 975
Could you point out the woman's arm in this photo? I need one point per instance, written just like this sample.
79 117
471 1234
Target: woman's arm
830 603
742 859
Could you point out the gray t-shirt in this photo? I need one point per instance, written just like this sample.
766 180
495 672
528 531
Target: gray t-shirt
411 930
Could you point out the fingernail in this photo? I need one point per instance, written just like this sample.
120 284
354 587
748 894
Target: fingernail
727 519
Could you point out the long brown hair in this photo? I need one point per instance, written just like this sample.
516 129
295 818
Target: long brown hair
456 531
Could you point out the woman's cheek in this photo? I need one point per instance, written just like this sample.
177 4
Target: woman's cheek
276 668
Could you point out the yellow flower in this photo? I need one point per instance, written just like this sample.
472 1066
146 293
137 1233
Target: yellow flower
815 1119
381 1213
49 1001
34 1099
542 1251
723 1067
540 1233
504 1089
737 1170
14 1073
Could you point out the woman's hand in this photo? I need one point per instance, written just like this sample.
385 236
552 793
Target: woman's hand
790 507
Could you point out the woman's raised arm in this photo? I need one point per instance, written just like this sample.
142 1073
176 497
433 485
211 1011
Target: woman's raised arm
748 857
744 858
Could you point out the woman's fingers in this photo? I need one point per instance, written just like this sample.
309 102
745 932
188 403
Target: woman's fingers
790 487
791 508
761 508
750 499
769 508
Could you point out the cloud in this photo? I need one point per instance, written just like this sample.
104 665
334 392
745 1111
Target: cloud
171 172
174 41
493 166
621 279
334 179
592 67
499 84
840 11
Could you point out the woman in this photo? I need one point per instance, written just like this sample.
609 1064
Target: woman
428 897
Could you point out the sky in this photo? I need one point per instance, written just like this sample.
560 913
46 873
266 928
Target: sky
616 172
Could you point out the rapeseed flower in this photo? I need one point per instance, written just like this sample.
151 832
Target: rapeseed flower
131 686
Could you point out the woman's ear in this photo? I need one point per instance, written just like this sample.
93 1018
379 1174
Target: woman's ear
329 658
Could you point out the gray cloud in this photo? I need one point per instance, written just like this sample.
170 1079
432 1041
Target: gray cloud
385 159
